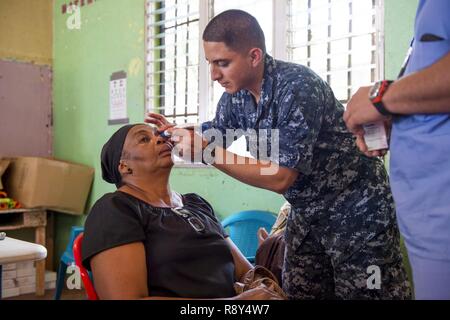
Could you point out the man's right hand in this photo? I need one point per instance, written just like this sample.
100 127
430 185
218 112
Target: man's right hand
188 144
159 120
361 143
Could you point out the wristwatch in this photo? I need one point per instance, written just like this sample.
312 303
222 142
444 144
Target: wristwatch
376 95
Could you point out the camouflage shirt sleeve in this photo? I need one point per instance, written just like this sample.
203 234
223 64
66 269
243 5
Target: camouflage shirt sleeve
299 124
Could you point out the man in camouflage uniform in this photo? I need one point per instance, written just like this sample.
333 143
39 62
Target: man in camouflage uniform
341 233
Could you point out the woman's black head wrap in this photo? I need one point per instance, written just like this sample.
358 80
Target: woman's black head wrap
111 154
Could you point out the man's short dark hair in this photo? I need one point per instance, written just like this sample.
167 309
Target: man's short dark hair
237 29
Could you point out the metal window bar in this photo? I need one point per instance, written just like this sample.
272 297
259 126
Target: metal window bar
309 33
306 10
168 88
349 74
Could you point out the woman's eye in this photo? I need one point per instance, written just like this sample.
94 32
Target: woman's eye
223 64
144 139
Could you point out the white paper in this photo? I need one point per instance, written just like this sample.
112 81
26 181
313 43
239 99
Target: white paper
118 99
375 136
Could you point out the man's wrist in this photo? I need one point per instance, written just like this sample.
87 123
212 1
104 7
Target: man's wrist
376 95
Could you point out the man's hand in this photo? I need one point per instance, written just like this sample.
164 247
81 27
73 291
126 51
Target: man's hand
159 120
360 111
188 144
361 144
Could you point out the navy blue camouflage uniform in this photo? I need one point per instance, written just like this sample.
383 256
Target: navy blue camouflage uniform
343 220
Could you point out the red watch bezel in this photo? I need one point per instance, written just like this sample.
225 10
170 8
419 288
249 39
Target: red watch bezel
381 90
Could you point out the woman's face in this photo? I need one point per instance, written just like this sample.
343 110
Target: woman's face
145 150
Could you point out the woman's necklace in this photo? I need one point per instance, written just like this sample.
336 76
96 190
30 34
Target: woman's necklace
185 214
175 199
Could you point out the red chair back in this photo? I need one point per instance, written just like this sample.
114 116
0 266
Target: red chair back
90 290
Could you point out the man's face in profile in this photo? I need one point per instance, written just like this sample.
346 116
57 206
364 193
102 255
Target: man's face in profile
232 70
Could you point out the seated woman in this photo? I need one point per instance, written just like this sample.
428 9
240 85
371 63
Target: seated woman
146 241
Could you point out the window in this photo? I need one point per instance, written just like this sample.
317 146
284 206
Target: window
173 59
262 11
341 40
338 39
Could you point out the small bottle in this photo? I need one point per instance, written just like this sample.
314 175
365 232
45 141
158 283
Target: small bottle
375 136
166 134
186 126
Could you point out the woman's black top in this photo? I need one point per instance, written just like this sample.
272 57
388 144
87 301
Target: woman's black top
182 259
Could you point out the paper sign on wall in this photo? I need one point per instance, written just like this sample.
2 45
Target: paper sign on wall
118 98
74 21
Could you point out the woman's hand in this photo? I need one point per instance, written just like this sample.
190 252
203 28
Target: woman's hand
259 293
262 235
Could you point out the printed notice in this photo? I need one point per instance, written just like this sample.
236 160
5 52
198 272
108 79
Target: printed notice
118 98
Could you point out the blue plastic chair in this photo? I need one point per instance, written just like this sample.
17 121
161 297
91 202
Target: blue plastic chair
66 260
243 227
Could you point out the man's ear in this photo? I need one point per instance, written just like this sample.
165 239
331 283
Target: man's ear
256 56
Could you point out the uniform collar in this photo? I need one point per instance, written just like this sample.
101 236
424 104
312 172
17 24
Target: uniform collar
269 65
267 84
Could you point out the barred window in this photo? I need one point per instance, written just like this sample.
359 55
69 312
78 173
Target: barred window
261 10
173 59
338 39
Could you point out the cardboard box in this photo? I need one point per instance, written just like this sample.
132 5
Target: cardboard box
48 183
8 284
9 266
3 166
8 293
7 275
32 288
25 272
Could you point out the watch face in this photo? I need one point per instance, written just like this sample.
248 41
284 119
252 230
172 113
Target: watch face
373 93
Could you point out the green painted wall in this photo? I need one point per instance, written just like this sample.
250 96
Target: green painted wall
111 38
398 23
226 194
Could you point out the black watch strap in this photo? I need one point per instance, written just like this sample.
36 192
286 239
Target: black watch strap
382 109
377 100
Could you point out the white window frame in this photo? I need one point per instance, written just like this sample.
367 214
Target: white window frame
376 66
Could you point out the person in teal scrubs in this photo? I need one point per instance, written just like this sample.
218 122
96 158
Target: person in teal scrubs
418 107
